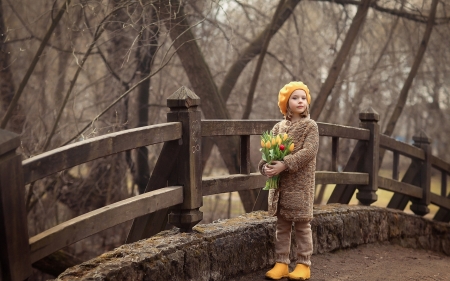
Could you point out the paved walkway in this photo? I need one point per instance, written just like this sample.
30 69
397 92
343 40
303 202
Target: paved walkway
373 262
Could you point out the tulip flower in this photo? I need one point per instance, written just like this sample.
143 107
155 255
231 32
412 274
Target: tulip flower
275 148
291 147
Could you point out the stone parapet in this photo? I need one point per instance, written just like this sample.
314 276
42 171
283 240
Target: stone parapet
238 246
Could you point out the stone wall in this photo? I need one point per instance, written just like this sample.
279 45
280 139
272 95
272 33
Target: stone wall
238 246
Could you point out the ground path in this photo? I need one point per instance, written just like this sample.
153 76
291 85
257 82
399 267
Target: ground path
373 262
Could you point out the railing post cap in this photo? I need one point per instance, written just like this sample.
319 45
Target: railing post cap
184 98
421 138
369 114
8 141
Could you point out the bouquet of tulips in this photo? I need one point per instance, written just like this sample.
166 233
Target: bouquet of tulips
274 148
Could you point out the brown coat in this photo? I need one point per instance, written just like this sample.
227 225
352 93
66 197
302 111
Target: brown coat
294 197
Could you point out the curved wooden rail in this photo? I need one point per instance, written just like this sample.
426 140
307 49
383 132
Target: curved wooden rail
81 152
440 164
405 149
230 183
93 222
399 187
256 127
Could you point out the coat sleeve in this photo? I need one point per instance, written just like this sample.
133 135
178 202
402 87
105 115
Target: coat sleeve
307 153
261 163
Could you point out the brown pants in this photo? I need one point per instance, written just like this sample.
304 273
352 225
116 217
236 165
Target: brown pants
303 239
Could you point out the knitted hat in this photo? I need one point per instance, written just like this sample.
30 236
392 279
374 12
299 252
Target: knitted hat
286 91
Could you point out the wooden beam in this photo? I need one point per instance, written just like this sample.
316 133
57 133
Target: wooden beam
340 131
93 222
325 177
440 164
399 187
334 154
14 251
236 127
405 149
81 152
440 201
230 183
257 127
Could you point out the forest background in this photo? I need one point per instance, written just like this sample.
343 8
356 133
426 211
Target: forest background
77 69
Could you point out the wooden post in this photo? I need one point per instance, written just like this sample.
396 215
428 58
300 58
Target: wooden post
187 172
420 206
369 120
14 250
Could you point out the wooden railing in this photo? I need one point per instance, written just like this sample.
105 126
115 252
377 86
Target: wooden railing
176 182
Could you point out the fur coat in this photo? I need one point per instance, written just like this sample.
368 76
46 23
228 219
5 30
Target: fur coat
293 199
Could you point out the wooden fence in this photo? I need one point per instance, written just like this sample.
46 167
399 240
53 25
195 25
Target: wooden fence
176 181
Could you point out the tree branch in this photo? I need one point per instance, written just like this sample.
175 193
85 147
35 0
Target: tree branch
33 64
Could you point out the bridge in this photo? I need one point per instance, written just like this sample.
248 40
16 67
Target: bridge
176 189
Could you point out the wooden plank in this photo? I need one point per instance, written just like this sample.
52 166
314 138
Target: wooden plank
401 147
440 201
257 127
340 131
14 250
236 127
81 152
395 164
440 164
399 187
230 183
326 177
443 184
93 222
334 154
15 261
245 155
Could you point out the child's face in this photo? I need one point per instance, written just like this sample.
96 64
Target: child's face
298 102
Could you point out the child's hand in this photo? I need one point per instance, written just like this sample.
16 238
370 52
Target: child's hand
275 168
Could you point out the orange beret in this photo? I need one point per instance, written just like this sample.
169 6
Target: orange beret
286 91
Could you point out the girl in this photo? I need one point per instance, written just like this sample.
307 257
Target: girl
292 201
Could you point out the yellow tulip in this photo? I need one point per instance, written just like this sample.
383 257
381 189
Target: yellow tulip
263 144
291 147
278 139
268 144
274 141
285 136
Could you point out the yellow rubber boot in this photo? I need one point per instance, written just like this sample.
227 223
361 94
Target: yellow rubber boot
301 272
279 271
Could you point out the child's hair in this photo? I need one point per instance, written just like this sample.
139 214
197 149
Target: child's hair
289 113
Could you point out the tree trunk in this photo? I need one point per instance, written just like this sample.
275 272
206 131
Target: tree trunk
198 72
360 94
415 67
335 70
6 80
254 49
148 47
251 92
23 83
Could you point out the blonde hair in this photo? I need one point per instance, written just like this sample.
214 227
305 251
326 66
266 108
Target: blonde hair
289 113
